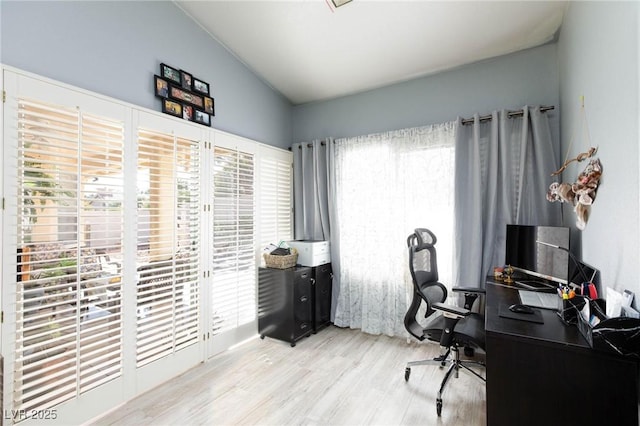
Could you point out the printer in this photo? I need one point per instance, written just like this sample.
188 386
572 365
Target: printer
311 252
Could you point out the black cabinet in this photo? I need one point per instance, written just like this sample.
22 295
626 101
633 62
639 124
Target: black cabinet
285 309
322 284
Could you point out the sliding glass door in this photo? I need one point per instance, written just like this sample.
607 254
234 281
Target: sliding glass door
62 233
168 245
232 289
131 242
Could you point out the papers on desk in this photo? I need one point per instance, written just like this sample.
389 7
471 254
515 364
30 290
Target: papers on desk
627 310
614 303
585 313
619 304
627 299
630 312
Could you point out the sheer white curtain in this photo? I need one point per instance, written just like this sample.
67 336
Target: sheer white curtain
386 185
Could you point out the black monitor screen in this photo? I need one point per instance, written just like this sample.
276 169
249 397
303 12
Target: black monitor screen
530 249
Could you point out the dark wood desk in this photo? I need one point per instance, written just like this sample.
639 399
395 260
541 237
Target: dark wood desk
546 374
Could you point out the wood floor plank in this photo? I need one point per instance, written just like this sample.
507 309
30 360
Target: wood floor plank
336 377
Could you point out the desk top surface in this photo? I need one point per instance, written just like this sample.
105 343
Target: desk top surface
552 331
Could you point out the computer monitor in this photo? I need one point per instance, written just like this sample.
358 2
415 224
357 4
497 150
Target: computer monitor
539 251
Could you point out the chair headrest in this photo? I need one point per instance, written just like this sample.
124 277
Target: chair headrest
424 238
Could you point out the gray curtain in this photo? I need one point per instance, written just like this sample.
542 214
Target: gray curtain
310 186
313 188
503 171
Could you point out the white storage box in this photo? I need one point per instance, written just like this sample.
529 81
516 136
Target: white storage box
312 253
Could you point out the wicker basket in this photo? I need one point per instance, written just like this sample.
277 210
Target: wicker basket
281 262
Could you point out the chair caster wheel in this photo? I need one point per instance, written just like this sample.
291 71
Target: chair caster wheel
407 373
439 406
262 336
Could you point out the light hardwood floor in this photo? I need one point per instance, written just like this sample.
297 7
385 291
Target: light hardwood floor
336 377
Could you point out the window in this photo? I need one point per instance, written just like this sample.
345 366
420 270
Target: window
275 197
168 245
234 271
387 185
109 246
69 210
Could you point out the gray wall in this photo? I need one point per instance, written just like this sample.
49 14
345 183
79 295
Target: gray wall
598 59
114 48
512 81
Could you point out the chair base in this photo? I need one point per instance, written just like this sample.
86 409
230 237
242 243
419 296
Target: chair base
455 366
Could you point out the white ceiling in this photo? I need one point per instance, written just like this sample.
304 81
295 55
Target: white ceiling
309 51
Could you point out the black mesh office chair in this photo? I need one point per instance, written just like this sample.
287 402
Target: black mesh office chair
453 327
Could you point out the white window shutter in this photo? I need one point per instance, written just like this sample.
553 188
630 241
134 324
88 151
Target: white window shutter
70 215
275 189
168 245
233 291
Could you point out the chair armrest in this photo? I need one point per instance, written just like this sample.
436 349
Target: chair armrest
452 315
473 290
449 310
470 295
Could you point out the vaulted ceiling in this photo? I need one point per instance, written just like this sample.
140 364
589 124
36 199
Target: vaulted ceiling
309 50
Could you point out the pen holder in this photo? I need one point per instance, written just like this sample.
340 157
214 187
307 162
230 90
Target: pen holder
568 308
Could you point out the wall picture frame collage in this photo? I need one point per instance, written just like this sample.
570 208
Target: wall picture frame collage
183 95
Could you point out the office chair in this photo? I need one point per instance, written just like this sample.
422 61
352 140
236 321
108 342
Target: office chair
453 327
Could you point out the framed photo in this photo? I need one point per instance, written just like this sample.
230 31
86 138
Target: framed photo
202 117
187 80
200 86
187 112
162 86
170 73
208 105
185 96
172 107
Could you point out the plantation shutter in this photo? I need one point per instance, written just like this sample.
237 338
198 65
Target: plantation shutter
168 232
234 271
68 325
275 197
